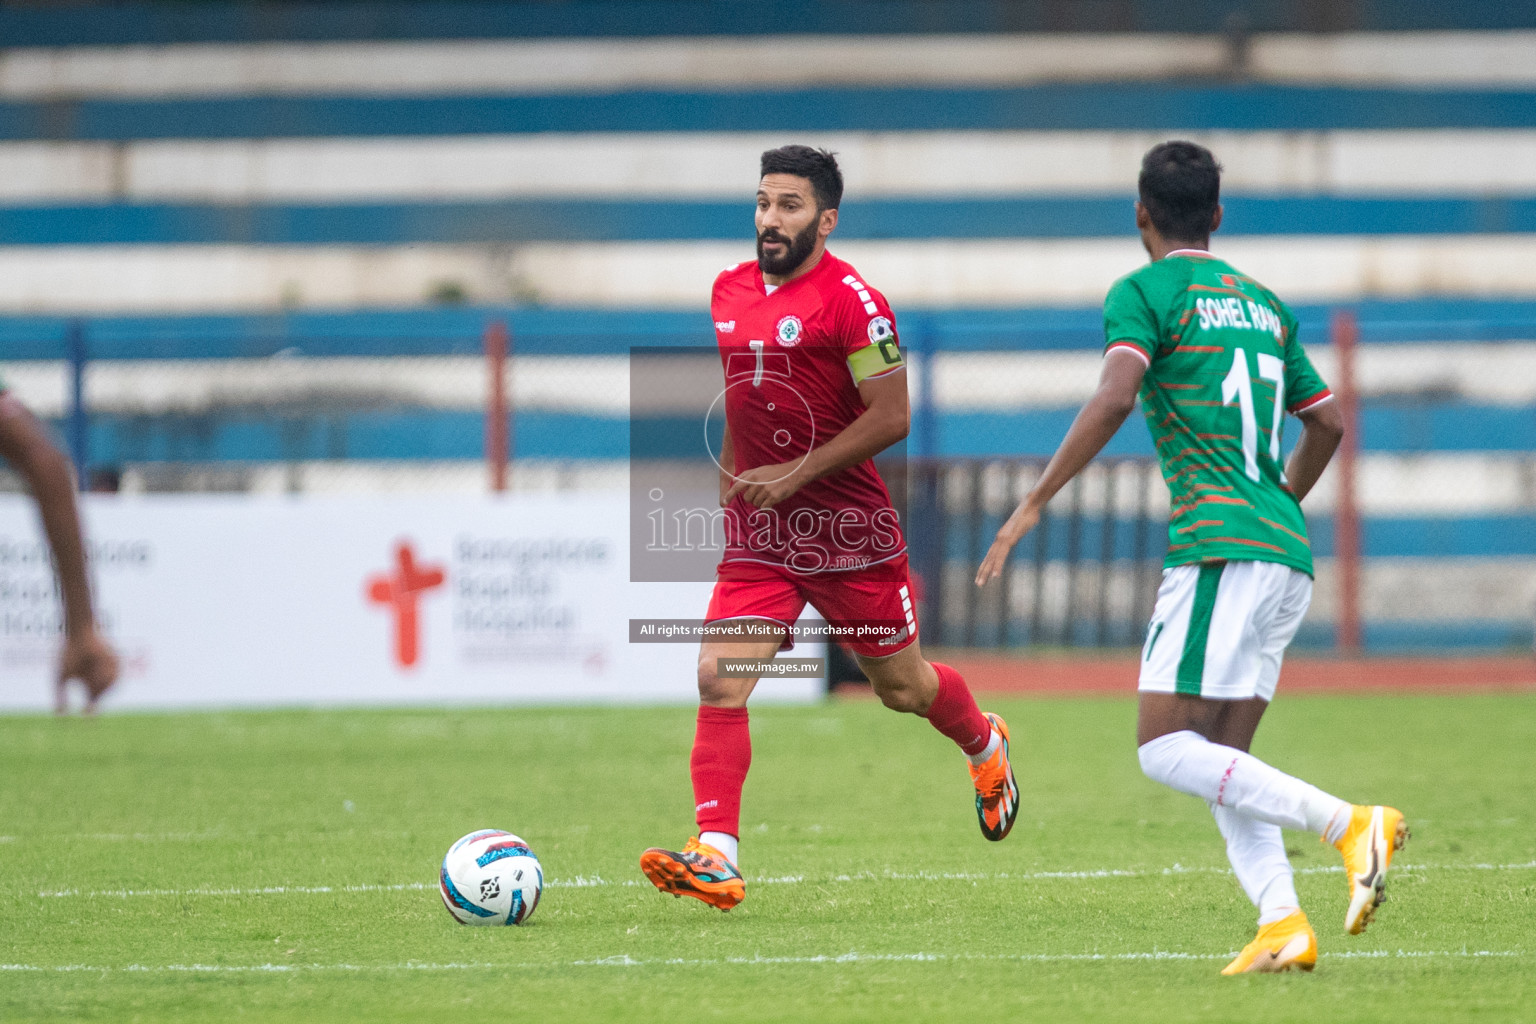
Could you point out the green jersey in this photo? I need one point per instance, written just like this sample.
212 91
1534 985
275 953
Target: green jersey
1223 366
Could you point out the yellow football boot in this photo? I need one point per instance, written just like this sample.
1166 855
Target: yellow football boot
1373 835
1279 946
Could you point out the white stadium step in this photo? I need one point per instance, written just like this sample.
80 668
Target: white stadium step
357 476
636 275
1027 272
682 165
596 64
1432 589
774 62
93 279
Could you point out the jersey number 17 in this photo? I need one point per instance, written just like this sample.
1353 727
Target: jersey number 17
1238 387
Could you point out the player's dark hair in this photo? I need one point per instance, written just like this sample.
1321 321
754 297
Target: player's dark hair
1180 188
816 165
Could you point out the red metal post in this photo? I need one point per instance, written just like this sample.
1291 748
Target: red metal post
1346 516
510 420
498 429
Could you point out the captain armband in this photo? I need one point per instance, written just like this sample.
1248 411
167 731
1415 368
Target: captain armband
880 357
876 360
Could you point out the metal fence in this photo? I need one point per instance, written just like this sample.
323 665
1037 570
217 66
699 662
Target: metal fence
1086 576
1441 488
428 412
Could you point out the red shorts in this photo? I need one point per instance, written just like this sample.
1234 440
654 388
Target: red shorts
870 609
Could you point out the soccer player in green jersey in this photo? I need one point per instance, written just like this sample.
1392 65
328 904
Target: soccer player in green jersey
86 656
1214 357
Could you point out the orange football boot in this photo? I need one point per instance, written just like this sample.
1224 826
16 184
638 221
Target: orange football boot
700 871
1280 945
997 794
1373 835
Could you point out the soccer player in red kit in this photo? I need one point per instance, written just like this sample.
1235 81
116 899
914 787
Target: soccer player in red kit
815 388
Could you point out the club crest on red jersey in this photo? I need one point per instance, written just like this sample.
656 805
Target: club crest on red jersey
789 331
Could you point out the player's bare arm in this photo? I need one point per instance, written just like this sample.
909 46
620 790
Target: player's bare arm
1322 428
25 445
886 419
1096 423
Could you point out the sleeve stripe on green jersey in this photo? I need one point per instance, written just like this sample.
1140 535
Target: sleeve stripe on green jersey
1307 403
1133 346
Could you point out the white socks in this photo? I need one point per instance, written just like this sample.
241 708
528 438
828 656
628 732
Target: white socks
722 841
1227 777
1250 801
986 752
1257 852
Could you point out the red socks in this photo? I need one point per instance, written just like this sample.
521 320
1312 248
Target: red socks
722 753
722 749
955 714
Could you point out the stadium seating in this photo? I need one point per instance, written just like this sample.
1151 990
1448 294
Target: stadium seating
283 236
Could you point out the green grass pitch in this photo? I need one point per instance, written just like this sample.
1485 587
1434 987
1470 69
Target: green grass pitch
281 866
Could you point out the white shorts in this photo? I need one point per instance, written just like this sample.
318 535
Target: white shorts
1219 630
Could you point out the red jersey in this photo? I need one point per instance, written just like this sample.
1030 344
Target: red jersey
793 358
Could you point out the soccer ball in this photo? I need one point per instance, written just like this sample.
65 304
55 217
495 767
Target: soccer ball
491 877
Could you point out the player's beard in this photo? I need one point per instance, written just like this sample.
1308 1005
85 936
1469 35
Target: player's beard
796 250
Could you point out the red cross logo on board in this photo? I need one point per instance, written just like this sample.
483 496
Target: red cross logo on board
402 590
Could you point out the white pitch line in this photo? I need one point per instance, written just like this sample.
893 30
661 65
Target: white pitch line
852 957
266 890
595 881
624 960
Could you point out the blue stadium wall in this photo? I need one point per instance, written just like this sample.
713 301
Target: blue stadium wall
139 23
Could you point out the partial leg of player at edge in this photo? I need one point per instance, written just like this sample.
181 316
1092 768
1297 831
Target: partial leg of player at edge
815 388
1215 361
